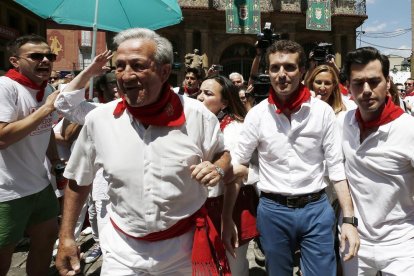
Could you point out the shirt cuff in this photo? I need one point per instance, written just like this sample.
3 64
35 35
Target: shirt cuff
73 98
337 172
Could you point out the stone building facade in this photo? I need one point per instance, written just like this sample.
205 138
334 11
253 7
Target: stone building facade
204 24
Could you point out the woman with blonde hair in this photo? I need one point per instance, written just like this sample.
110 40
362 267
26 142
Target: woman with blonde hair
324 82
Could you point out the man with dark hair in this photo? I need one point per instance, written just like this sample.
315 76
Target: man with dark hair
191 83
27 200
294 134
379 164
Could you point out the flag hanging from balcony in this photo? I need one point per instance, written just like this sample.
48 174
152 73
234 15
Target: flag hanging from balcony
318 15
243 16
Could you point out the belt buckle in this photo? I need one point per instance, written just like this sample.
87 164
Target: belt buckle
292 201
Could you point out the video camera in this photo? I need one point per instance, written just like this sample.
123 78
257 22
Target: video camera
261 87
322 52
266 37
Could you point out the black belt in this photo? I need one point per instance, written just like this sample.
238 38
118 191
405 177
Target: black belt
294 201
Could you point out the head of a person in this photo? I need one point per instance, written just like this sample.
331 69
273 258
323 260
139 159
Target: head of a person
323 80
54 76
367 71
286 60
409 85
32 57
192 78
237 79
393 92
400 89
218 93
106 87
142 65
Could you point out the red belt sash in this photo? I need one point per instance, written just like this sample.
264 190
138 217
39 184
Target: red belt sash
203 259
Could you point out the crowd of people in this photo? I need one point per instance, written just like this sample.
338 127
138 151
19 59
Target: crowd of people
179 181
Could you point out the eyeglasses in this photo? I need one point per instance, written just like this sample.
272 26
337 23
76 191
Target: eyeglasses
408 84
401 90
39 56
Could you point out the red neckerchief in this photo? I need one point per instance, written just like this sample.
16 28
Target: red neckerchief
190 91
410 94
203 257
301 96
167 111
225 122
343 89
23 80
389 113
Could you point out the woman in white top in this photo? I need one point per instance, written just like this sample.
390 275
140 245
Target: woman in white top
221 97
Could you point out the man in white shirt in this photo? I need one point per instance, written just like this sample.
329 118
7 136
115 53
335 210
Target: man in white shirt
27 200
293 134
158 151
379 164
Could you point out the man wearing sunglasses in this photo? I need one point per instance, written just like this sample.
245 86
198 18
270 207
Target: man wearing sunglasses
28 204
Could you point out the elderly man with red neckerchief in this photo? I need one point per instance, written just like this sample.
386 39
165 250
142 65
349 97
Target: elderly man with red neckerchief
378 148
159 151
294 133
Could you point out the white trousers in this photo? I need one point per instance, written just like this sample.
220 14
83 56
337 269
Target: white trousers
389 259
126 256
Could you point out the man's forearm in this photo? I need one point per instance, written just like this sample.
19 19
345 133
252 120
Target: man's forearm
75 197
11 133
344 197
231 191
222 160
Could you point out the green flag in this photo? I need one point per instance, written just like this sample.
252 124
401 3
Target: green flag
243 16
318 15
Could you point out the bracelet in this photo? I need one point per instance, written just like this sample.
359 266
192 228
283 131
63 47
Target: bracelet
219 171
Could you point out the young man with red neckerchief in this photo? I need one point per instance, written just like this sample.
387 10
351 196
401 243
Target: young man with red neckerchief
27 200
379 164
159 151
293 134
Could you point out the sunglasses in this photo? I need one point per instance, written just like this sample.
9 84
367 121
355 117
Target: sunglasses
408 84
39 56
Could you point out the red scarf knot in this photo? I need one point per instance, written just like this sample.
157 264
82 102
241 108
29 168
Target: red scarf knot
167 111
389 113
23 80
303 94
225 121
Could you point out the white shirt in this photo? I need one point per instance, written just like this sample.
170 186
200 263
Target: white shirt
148 170
291 154
380 172
22 170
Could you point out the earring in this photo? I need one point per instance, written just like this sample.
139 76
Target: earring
221 114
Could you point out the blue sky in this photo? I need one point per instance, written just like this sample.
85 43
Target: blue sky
391 19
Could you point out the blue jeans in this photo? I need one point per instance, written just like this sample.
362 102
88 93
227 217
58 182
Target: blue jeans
283 230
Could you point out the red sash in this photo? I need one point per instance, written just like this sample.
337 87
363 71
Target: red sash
23 80
389 113
167 111
302 95
205 235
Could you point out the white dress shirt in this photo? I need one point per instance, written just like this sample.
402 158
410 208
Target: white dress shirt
291 154
380 171
148 170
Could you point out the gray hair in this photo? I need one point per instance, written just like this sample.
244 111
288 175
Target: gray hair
235 74
164 51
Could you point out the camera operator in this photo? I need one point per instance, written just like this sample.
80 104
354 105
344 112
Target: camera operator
321 54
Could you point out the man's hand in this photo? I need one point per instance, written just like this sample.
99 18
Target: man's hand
349 233
50 100
99 64
205 173
68 257
230 236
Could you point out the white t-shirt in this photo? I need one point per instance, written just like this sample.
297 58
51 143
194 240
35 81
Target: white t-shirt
291 154
148 170
380 172
22 170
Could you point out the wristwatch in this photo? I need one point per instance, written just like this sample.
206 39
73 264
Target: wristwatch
350 220
220 171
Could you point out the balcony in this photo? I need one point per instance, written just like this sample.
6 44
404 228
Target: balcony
350 7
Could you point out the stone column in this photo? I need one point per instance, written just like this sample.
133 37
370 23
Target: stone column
338 50
188 41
